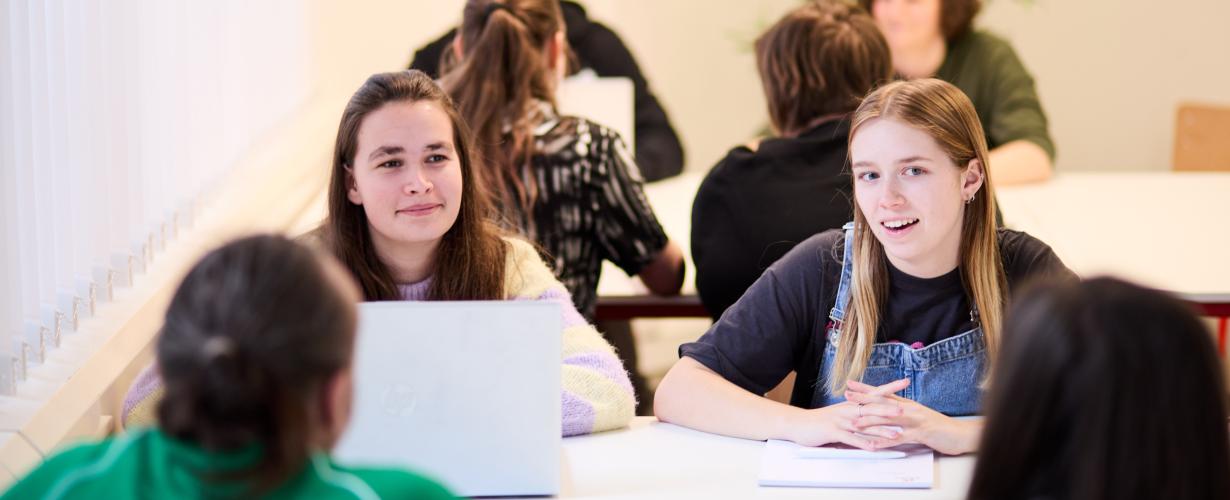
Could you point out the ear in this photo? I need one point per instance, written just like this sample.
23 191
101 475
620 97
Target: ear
335 398
352 188
971 179
457 47
555 50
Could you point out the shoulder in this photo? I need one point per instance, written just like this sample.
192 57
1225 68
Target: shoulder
728 169
526 275
69 467
1026 257
396 483
988 49
821 252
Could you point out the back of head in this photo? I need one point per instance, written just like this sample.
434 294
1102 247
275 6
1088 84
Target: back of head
503 72
820 59
251 334
1106 391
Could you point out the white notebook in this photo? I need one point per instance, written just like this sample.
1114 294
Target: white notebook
783 464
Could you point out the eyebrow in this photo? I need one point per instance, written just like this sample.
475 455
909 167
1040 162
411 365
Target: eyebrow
386 150
437 146
910 159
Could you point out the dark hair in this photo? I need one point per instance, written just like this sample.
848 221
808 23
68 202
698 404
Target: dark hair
496 84
252 332
1106 390
956 16
820 59
470 260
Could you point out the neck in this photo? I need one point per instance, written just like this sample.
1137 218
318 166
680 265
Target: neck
815 122
410 262
938 262
920 60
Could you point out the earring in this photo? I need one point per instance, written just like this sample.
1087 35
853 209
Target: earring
971 199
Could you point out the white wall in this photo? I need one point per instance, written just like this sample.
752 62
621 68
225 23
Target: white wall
1110 72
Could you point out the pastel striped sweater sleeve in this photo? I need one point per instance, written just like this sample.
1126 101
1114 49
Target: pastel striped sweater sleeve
597 394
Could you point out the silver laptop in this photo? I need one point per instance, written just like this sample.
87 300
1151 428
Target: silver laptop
465 392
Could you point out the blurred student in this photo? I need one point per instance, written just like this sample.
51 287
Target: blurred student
658 152
913 288
408 220
256 354
935 38
565 182
815 64
1105 390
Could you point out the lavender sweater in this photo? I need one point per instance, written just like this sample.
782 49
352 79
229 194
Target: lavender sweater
597 394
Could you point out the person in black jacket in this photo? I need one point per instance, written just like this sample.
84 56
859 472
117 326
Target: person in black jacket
658 151
760 200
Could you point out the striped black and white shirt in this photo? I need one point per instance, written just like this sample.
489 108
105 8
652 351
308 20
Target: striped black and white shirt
589 205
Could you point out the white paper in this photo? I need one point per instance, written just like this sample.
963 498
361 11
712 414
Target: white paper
780 466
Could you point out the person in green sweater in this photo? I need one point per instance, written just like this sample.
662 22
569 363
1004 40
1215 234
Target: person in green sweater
934 38
256 354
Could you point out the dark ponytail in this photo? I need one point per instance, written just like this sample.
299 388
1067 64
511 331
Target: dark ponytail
500 77
251 334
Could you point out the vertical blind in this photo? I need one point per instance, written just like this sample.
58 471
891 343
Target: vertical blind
116 117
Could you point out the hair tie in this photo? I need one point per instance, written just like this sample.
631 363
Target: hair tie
217 346
491 8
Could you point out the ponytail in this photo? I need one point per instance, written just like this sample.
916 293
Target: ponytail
501 77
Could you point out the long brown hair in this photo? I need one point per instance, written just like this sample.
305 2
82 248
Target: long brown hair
470 261
254 330
820 59
1106 390
500 77
943 112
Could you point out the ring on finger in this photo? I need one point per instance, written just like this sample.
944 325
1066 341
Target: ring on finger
860 409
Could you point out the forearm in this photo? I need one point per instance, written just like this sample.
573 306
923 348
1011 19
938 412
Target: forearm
664 275
1019 162
694 396
597 394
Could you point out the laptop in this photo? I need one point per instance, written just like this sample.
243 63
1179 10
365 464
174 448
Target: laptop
467 393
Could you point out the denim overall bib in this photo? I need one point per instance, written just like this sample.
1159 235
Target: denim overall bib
944 376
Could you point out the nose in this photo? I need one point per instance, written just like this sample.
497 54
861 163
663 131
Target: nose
891 197
416 181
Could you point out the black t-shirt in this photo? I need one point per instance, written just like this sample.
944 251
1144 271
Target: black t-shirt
779 324
754 206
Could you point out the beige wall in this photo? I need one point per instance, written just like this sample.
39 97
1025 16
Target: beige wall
1110 72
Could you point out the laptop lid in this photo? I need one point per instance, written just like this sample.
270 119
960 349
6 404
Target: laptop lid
465 392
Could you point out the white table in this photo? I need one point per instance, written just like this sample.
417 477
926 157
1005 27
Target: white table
651 459
1167 230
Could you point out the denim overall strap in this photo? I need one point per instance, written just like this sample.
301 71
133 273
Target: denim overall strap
838 313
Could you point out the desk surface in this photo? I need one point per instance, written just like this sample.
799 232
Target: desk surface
1162 229
651 459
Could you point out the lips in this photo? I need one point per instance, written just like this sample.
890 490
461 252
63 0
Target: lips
898 226
420 209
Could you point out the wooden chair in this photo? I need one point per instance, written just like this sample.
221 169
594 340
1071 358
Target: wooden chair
1202 144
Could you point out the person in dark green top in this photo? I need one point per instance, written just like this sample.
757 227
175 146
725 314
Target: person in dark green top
933 38
256 356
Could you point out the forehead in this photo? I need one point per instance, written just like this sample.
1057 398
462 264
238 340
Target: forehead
405 123
886 140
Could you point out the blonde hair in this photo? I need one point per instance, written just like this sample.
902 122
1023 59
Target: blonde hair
943 112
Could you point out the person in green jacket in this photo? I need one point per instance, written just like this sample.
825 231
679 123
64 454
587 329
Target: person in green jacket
256 354
934 38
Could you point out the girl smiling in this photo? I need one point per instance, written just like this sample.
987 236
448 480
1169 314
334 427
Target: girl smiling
890 322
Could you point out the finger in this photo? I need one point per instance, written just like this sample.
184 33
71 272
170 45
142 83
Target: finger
861 423
866 443
880 410
881 431
889 388
861 398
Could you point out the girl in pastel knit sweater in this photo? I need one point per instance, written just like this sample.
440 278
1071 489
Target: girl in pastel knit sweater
410 221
